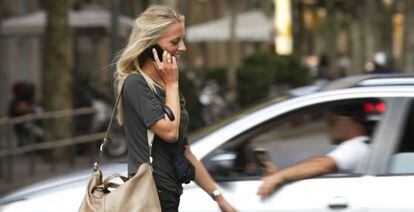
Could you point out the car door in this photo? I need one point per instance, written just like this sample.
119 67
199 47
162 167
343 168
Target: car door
288 138
392 164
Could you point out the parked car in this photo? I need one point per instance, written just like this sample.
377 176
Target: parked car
287 130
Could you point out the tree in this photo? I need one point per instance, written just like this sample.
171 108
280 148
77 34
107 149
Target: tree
57 77
332 37
357 38
3 73
408 37
298 27
231 70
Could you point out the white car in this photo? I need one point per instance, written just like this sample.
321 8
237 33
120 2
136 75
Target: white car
285 131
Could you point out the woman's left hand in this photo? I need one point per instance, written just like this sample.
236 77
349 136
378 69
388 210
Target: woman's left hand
224 205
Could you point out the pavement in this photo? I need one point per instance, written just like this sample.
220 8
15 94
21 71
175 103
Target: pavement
29 169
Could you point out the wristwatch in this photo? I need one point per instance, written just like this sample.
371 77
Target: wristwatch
215 194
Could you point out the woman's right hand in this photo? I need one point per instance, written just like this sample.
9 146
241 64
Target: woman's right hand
167 69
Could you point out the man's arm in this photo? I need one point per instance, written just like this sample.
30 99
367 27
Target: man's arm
269 168
305 169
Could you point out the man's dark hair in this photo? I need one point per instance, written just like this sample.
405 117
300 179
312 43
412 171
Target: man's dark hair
355 111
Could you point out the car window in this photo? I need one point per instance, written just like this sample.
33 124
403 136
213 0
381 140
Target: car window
199 134
403 159
284 140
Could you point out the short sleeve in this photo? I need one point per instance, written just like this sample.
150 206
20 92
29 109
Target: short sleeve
348 154
142 99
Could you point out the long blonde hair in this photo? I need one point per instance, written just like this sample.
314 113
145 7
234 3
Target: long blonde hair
146 31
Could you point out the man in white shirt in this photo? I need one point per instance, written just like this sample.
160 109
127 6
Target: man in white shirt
347 129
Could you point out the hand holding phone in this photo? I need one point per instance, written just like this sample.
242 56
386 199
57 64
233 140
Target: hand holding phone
265 163
167 70
147 53
262 156
158 49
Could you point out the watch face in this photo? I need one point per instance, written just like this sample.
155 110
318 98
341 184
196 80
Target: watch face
215 193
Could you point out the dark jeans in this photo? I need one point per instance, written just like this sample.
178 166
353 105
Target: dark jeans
169 200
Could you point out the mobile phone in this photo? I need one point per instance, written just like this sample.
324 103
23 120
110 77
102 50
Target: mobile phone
262 156
147 53
157 48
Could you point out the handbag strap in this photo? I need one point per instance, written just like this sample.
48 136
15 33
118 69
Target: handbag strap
108 179
150 134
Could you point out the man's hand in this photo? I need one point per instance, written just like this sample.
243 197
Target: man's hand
270 184
224 205
269 168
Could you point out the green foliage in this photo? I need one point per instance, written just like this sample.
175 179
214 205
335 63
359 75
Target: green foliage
193 106
254 78
262 70
218 74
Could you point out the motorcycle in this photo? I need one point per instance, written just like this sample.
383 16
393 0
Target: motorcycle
116 146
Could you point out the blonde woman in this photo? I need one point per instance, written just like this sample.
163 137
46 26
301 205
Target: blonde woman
151 100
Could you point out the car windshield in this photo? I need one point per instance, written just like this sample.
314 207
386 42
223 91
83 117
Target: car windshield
198 134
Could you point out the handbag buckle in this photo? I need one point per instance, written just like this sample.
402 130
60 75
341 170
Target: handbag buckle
95 166
99 189
101 148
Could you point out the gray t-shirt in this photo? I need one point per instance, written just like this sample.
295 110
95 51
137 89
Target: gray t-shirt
142 109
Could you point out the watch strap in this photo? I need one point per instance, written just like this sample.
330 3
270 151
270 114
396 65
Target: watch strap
215 194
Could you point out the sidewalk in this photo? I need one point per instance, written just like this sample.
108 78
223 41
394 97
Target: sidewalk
22 176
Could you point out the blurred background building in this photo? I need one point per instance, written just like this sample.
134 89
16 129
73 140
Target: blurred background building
340 37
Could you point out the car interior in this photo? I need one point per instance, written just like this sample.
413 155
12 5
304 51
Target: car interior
284 141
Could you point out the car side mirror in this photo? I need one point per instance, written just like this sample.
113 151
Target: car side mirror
225 160
222 165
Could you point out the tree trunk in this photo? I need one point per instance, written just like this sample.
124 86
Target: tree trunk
57 77
387 28
231 71
298 28
408 36
3 71
357 64
171 3
371 30
332 38
357 40
3 90
115 28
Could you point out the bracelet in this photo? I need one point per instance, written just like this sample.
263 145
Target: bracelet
169 112
215 194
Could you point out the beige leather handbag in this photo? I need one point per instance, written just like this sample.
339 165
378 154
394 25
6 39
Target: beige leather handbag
138 193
